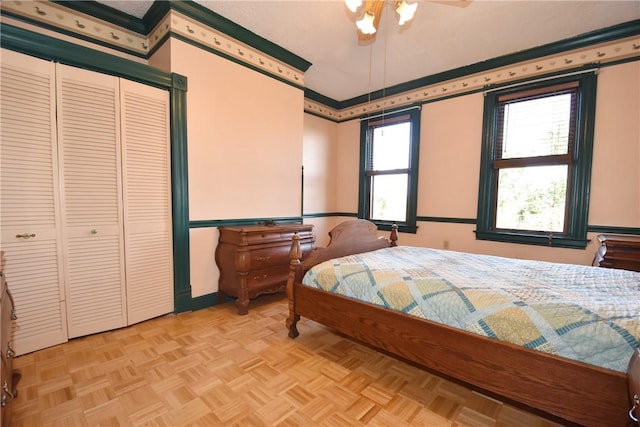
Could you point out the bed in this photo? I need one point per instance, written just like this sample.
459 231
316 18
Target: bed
533 373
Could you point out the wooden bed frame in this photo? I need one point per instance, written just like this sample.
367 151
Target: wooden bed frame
574 391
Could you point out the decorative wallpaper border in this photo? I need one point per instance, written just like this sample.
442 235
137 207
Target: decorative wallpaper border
82 25
67 20
593 56
180 24
57 16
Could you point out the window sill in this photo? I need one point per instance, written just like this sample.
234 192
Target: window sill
556 241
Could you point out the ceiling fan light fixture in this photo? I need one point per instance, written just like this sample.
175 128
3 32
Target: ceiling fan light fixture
353 5
366 25
406 11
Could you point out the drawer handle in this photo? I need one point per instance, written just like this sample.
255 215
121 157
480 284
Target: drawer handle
5 392
264 276
25 235
10 353
263 258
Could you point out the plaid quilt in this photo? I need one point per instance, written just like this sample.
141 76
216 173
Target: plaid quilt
579 312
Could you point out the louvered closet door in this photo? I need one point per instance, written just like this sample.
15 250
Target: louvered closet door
29 210
90 163
147 200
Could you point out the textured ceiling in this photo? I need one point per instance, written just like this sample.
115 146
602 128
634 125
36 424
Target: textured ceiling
444 35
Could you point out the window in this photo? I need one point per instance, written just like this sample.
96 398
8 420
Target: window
535 169
389 170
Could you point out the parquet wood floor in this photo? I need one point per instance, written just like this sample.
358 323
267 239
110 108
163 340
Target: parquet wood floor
213 367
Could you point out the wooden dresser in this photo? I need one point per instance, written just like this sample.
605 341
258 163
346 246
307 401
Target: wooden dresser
9 377
618 251
254 260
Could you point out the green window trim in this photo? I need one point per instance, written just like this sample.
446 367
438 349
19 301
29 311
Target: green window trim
410 225
580 179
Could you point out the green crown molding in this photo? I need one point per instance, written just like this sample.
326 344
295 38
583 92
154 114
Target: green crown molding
106 13
607 46
232 58
48 17
178 25
133 36
325 100
154 15
226 26
105 26
616 32
45 47
193 10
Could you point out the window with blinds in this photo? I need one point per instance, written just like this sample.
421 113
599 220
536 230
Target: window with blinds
534 142
536 163
389 149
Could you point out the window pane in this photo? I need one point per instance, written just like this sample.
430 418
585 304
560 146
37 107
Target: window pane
532 198
391 146
536 127
389 197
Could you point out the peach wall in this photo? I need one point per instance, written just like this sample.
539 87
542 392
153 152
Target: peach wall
245 138
451 137
450 143
203 270
615 189
319 160
347 166
161 58
244 142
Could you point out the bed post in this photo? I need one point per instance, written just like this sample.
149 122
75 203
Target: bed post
294 256
393 237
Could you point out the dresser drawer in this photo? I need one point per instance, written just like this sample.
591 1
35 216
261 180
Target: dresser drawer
255 239
267 277
263 235
254 260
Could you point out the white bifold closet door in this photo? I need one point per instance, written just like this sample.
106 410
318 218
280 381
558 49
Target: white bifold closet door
113 139
91 190
85 200
30 223
147 201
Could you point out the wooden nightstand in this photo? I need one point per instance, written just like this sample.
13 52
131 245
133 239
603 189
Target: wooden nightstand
254 260
618 251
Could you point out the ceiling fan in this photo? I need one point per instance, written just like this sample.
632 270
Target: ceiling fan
372 10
